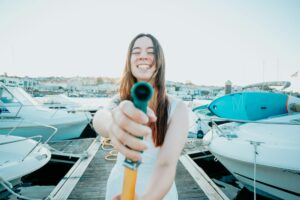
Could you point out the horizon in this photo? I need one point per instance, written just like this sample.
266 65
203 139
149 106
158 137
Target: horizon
205 42
67 77
106 77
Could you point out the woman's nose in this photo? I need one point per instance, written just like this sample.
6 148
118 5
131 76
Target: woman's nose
144 54
143 58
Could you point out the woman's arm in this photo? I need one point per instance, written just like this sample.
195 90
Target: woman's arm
122 125
165 168
102 121
103 118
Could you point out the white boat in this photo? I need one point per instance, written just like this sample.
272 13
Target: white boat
197 125
59 101
72 104
263 155
21 115
18 157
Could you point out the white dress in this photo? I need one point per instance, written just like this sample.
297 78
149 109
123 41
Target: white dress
149 157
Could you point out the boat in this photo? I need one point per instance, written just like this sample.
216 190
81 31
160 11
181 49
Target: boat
252 105
22 116
263 155
205 117
59 101
196 128
72 104
20 156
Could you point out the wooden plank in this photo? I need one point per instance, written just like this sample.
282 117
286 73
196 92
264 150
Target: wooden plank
206 184
72 146
92 184
67 184
187 188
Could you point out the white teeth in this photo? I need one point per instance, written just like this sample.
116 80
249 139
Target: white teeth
144 66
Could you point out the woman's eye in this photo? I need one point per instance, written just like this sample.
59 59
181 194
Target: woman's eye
135 52
150 52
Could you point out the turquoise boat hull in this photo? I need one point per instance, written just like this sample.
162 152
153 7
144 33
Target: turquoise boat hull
250 105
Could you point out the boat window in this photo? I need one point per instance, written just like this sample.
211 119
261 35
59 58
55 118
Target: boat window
6 97
3 109
22 96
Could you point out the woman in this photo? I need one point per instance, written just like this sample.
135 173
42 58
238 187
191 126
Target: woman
164 127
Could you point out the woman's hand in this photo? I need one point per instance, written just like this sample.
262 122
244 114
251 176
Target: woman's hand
127 123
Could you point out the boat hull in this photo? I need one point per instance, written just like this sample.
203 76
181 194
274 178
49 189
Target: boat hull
20 156
249 105
270 181
69 130
272 145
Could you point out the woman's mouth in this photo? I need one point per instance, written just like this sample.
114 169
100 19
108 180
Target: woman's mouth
143 67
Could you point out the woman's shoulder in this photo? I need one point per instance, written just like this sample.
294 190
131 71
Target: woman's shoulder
174 101
174 104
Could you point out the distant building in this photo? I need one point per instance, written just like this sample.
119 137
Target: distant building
228 87
26 83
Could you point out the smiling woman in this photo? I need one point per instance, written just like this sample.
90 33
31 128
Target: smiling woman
164 126
142 59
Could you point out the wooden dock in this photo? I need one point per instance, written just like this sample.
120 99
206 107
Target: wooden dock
87 180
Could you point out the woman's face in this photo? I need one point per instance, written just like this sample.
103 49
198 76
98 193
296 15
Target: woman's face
142 59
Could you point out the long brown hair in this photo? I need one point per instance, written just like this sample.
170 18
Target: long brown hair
160 101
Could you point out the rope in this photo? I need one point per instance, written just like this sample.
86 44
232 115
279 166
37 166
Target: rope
112 155
107 146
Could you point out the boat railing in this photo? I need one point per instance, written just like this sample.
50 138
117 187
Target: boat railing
4 105
38 138
86 113
221 132
36 123
20 107
7 184
17 102
54 111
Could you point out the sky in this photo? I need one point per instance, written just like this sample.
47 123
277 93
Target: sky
205 41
